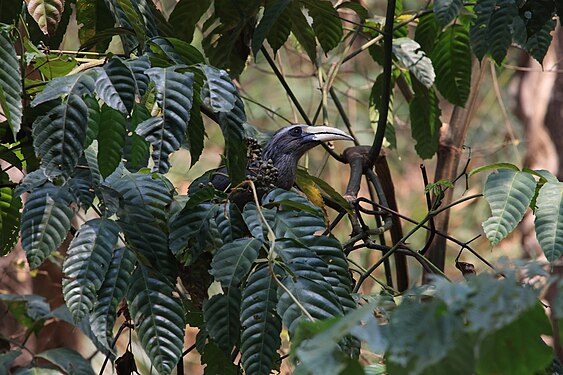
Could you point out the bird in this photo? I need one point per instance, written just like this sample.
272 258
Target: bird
275 166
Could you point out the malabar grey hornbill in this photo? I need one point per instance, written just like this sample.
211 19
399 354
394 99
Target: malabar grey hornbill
276 164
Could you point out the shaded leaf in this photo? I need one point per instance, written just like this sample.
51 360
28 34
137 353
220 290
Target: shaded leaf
79 84
113 289
447 10
538 44
500 33
425 120
261 325
326 23
222 318
159 318
189 223
478 33
218 92
10 85
86 264
272 12
45 222
302 31
185 16
59 135
280 30
234 260
68 360
314 294
175 98
116 85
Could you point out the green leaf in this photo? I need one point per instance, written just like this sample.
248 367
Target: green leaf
68 360
302 31
116 85
79 84
222 318
10 205
272 12
93 120
261 325
231 124
59 135
375 107
479 31
234 260
290 200
451 57
10 84
493 166
410 54
175 50
549 220
86 264
113 289
94 16
185 16
175 98
218 92
500 33
326 23
447 10
425 120
129 13
418 350
149 13
45 222
111 139
159 318
319 353
324 186
311 290
509 194
195 134
538 44
518 347
280 30
47 14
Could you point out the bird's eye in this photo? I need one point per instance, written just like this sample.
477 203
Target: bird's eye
296 132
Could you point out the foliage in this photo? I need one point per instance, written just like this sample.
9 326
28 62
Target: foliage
102 134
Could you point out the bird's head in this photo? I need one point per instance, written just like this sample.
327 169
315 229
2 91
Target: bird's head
288 144
295 140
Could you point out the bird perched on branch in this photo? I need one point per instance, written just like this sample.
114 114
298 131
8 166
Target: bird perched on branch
276 164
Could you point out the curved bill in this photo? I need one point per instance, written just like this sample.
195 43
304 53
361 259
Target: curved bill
326 133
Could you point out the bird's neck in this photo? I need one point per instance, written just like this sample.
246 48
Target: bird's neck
286 164
287 169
